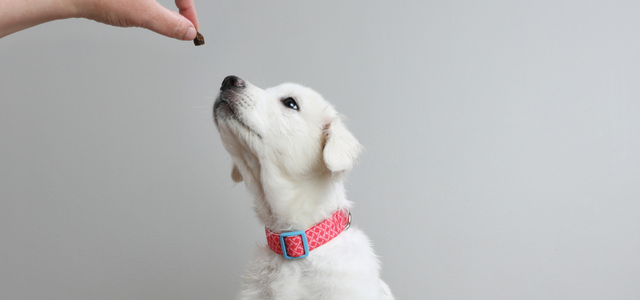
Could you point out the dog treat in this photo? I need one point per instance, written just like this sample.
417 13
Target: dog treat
199 40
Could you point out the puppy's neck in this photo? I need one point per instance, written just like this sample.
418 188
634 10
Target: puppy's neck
286 204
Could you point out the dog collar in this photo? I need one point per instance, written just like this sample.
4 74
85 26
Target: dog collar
297 244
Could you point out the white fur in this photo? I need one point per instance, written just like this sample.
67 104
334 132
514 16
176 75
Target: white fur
293 162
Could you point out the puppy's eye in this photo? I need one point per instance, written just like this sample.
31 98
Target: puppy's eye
290 103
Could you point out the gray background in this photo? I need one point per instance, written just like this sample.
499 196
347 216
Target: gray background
502 147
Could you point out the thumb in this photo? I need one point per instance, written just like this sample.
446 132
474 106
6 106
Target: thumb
169 23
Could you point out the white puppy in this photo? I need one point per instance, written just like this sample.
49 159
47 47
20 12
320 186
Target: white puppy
291 149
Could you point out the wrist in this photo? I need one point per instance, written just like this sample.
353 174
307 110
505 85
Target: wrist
16 15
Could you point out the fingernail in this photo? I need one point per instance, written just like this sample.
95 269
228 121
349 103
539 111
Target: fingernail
191 34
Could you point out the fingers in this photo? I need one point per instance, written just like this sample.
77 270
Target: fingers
188 10
169 23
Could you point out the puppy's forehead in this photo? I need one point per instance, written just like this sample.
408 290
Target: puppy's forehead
294 90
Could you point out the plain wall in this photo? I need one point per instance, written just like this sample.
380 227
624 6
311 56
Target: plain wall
502 147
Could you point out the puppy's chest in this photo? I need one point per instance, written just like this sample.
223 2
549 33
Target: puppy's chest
301 281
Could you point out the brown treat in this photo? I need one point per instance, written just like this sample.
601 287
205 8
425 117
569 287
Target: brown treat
199 40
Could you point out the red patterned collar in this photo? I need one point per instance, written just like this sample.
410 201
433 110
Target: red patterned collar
297 244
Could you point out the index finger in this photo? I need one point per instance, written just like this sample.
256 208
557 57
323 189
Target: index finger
188 10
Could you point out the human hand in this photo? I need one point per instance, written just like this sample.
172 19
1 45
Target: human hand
147 14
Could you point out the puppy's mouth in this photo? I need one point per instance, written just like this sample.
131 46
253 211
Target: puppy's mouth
223 108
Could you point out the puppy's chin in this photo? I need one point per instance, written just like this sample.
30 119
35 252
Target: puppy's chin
225 116
221 110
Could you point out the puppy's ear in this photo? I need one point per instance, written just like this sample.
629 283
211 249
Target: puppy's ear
235 174
341 148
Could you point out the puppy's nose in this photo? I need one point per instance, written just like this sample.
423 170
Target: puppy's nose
231 82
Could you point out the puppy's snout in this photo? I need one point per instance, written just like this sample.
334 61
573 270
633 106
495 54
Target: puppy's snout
232 82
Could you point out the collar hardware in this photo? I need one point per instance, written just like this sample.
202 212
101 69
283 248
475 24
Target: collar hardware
305 244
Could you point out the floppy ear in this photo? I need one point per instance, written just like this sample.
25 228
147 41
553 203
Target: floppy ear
341 148
235 174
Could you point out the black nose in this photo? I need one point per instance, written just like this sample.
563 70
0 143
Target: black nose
231 82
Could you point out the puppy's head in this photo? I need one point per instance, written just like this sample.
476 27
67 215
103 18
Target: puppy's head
286 133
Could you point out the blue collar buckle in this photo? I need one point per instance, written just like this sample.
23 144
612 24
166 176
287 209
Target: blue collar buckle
304 243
